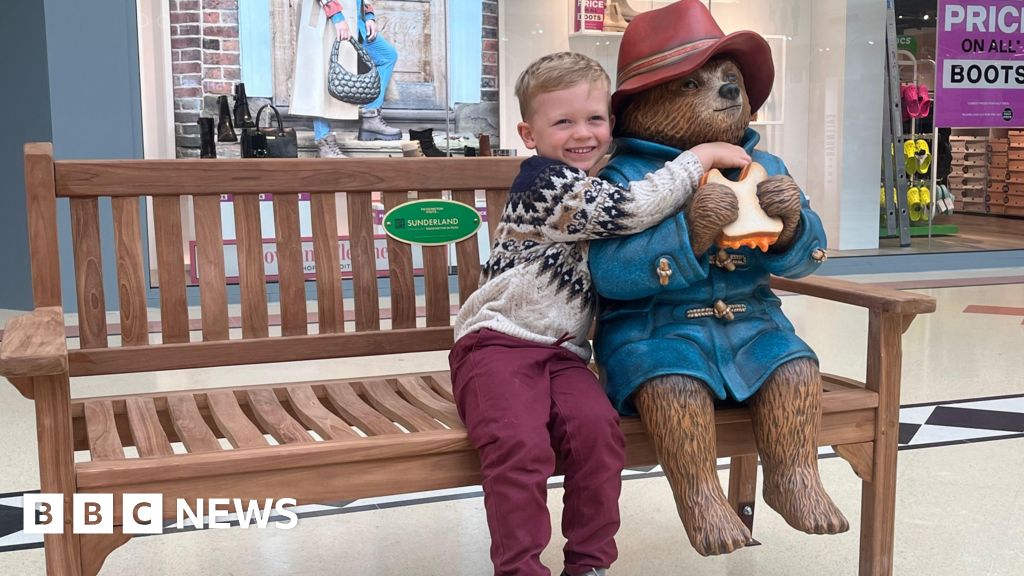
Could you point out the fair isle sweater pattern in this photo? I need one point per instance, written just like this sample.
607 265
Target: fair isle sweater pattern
536 284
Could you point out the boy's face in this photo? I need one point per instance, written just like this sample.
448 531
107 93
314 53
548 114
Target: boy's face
572 125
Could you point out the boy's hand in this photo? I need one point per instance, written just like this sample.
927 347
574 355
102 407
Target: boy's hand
720 155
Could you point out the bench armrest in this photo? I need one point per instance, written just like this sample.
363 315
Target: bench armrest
34 345
875 298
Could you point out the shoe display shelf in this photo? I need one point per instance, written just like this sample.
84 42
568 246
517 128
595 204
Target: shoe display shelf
1014 187
969 177
998 165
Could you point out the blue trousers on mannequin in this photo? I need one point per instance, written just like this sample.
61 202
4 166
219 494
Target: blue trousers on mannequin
384 56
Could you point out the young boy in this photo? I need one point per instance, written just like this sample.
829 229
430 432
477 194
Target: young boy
519 366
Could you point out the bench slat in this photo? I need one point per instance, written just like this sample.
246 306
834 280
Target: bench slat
144 422
85 232
352 407
315 416
496 200
189 424
272 416
403 289
272 175
131 279
435 277
232 422
330 305
101 429
467 252
170 268
441 382
210 247
291 279
250 267
832 382
418 393
387 402
364 262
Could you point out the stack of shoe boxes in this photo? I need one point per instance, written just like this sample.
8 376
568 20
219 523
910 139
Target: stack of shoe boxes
1015 175
968 179
997 170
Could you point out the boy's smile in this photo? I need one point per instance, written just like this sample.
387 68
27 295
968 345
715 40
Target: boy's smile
572 125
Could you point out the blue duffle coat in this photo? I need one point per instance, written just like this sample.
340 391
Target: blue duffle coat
642 327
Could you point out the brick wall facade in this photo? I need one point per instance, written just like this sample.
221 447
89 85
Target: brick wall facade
489 79
204 63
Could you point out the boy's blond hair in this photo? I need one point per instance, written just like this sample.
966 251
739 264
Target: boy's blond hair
557 72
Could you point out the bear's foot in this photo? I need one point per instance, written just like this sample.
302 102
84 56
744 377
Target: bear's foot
799 497
712 526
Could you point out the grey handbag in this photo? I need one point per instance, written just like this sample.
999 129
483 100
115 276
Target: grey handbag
353 88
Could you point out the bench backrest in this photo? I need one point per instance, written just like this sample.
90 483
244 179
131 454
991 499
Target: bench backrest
168 182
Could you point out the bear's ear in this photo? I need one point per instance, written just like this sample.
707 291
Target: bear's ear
526 133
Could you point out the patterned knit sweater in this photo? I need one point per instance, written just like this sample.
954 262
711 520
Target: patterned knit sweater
536 285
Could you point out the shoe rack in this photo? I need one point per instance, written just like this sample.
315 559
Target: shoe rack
988 171
1014 187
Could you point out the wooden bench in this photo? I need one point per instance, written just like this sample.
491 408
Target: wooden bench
409 436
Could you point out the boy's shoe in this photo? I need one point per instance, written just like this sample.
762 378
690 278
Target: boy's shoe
593 572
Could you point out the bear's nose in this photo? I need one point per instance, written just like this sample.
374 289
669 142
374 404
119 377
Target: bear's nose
729 91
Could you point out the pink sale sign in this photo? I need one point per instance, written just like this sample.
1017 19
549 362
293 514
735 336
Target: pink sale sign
980 64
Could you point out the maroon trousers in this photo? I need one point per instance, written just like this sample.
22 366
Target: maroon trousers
524 403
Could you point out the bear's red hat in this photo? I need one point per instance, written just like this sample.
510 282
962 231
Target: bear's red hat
669 43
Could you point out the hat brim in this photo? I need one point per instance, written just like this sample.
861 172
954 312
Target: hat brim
750 51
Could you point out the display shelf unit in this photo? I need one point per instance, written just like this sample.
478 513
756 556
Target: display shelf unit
988 171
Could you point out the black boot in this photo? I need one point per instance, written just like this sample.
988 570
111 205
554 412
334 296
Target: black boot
426 140
243 117
225 130
207 144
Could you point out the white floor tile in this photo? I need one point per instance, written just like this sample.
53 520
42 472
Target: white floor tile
929 434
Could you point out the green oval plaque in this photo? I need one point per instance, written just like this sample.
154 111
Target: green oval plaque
431 222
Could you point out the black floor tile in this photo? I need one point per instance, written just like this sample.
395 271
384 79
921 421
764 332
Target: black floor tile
972 418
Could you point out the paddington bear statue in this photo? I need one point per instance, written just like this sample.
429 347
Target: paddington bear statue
686 318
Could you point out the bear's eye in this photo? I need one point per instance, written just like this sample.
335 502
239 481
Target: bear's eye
731 77
691 84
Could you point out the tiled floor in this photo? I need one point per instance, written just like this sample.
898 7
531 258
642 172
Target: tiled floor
958 503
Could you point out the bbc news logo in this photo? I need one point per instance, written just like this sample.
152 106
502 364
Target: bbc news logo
144 513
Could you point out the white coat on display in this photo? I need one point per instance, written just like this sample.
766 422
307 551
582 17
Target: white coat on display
313 44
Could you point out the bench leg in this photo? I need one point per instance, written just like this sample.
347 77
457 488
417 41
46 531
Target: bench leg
878 500
57 468
96 548
743 487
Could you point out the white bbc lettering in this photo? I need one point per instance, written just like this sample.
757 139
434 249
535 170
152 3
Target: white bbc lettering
93 514
194 516
50 508
142 514
292 517
218 509
246 514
